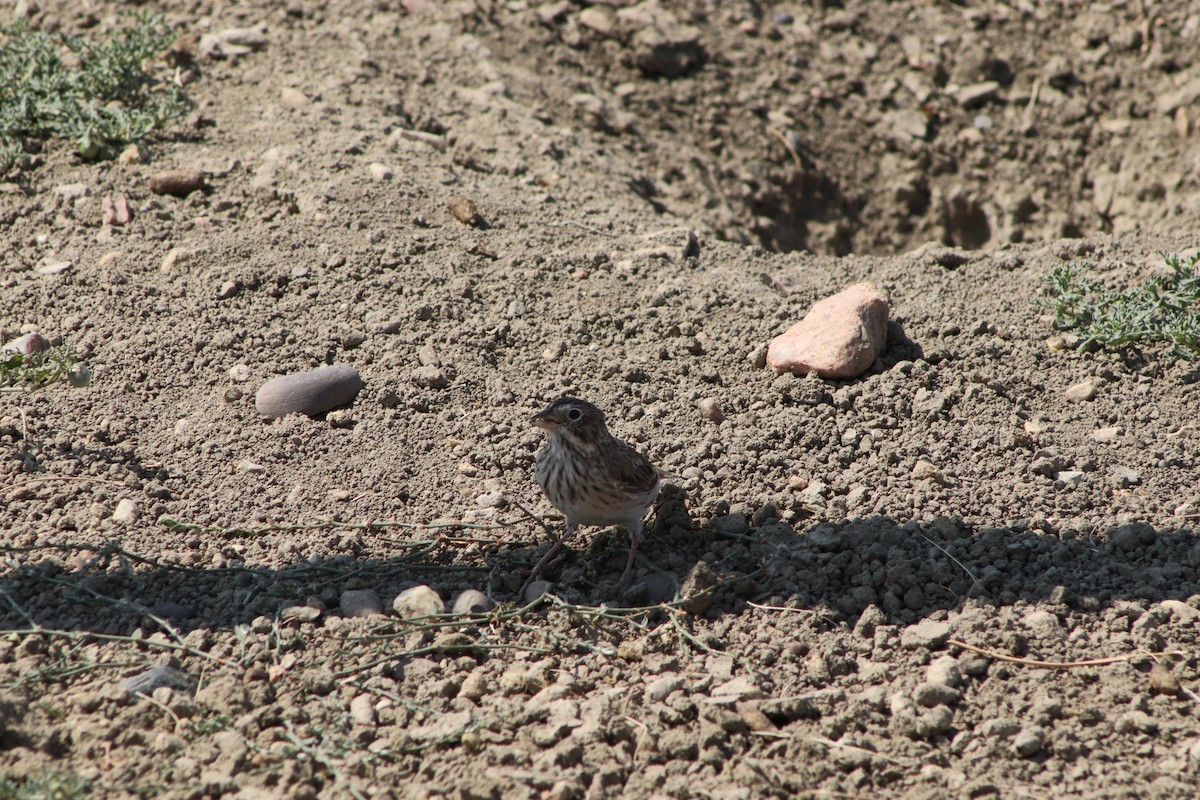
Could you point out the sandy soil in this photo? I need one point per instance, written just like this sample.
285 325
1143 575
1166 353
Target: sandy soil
661 190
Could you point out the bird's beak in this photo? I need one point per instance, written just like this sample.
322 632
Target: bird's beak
542 420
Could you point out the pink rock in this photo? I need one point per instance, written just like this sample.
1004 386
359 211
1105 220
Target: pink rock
28 344
840 338
116 210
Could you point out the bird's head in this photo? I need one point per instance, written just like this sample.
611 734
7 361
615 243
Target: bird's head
574 418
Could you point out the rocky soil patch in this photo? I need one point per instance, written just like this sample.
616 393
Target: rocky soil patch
971 572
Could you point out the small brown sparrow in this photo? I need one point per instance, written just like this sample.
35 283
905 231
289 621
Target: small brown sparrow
591 476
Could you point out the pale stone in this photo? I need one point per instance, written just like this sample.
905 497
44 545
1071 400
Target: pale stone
419 601
126 512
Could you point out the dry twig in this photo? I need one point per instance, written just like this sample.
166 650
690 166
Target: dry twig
1033 662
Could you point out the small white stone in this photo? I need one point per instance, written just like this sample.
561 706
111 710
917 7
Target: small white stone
419 601
177 257
292 97
1081 392
53 267
1045 624
944 670
239 373
362 710
126 512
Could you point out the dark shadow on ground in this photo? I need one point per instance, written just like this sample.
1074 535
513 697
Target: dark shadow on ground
907 571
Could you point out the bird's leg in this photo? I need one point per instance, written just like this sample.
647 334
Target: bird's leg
635 539
546 559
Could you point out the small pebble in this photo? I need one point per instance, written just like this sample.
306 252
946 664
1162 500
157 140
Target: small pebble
535 590
925 470
360 603
380 172
464 210
1029 741
54 267
146 682
342 418
239 373
1044 624
133 154
1136 722
427 356
1125 477
944 670
362 710
126 512
1180 610
1162 680
566 790
116 211
28 344
474 686
292 97
176 258
710 409
928 633
430 377
840 337
300 614
1081 392
419 601
309 392
178 183
1070 477
936 694
658 689
471 601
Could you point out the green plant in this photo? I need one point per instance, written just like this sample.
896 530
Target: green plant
34 371
96 94
1165 308
49 785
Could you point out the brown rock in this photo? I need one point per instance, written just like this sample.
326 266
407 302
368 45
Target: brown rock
839 338
464 210
177 182
1162 680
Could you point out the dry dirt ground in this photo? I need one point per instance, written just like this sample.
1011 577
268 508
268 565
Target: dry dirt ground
810 580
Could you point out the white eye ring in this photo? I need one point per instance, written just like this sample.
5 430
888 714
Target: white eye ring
574 413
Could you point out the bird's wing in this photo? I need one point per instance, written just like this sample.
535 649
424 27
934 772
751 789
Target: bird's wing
636 473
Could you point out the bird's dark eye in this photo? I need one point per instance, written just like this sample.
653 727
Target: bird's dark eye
574 413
